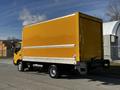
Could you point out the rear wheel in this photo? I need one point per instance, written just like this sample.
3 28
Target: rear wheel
53 71
20 66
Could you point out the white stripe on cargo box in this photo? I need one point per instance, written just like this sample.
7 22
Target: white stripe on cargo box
51 46
50 59
32 24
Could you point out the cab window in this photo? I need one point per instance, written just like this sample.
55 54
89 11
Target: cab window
17 47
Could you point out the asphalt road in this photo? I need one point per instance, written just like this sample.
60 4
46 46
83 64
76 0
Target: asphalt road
11 79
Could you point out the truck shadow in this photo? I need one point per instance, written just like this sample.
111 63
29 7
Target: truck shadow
104 79
111 77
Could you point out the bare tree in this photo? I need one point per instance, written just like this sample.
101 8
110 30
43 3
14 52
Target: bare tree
113 10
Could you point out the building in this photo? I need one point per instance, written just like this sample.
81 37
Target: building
6 48
3 51
111 33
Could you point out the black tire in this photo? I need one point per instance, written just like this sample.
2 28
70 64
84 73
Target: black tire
20 66
53 71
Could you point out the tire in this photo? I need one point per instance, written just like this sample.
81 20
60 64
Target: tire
20 66
53 71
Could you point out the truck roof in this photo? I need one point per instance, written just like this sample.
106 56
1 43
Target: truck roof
50 20
82 14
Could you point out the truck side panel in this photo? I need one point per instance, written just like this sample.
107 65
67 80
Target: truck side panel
52 41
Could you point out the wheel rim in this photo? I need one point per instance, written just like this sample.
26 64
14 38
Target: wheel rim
53 72
19 66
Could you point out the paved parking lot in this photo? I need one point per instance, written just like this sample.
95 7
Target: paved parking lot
11 79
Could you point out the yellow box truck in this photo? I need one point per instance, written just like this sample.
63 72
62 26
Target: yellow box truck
70 42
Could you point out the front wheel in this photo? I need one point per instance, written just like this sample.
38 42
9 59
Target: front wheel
20 66
53 71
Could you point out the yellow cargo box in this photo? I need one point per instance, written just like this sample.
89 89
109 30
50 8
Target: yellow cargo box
68 39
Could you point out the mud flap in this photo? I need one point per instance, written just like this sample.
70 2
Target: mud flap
82 68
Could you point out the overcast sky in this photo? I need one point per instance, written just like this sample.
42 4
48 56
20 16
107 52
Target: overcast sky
15 13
